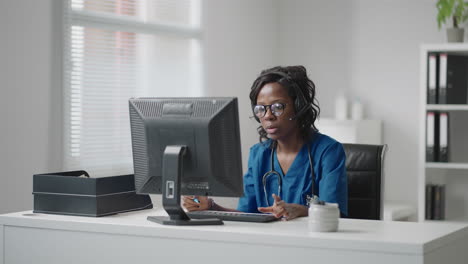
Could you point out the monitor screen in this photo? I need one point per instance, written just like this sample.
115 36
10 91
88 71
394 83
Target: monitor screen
186 146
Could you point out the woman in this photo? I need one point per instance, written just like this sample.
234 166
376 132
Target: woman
283 101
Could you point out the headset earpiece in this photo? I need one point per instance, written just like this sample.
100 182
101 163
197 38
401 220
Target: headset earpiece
301 112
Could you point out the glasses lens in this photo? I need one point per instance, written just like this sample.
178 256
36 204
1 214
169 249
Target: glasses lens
259 110
277 109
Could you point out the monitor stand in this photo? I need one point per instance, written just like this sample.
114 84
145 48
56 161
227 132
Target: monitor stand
171 178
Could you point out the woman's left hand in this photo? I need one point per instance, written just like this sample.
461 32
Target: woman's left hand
282 209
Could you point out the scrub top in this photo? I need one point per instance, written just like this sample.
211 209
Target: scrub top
328 158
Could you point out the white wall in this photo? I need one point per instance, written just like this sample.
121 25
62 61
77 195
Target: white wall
368 48
30 104
239 41
371 50
316 34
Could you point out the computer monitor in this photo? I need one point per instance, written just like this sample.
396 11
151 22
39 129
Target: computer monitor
186 146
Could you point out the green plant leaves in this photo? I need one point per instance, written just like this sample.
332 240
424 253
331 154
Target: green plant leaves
451 9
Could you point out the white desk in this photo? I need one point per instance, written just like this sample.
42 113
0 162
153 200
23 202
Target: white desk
130 238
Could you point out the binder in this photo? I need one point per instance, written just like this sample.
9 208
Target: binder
439 202
442 202
443 137
432 137
453 79
429 201
432 78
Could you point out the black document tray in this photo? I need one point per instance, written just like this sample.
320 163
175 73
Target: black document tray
67 193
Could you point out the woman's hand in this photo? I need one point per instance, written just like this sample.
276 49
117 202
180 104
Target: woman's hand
286 210
196 203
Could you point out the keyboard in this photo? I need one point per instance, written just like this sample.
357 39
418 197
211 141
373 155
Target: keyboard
232 216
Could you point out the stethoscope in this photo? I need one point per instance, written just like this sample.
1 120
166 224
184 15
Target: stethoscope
272 172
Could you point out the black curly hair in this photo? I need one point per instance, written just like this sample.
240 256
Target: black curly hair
300 88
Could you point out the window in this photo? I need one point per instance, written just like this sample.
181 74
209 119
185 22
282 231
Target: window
115 50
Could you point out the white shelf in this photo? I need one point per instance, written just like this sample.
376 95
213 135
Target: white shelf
456 197
446 165
461 48
447 107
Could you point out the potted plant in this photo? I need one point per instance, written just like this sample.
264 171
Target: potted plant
455 10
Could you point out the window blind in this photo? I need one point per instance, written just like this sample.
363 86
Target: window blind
115 50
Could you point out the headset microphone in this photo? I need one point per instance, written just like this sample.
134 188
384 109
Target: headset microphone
303 110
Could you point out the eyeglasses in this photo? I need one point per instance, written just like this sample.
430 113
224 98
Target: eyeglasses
277 109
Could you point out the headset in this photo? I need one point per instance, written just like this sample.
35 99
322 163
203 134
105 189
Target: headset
299 104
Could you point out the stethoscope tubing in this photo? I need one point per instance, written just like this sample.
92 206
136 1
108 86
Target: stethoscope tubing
272 172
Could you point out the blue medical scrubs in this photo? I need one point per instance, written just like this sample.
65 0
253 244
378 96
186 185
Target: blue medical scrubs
330 175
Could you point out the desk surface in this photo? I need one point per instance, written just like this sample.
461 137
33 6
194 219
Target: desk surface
373 236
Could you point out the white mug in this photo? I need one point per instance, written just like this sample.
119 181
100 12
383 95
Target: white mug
324 217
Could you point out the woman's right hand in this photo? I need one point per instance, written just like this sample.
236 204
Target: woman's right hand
189 202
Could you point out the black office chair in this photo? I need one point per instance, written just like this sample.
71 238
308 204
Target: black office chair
365 180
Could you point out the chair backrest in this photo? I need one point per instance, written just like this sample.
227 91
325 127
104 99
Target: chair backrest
364 167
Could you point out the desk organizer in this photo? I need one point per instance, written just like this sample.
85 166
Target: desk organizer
68 193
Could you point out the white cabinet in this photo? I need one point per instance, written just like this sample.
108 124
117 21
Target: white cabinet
352 131
365 132
454 173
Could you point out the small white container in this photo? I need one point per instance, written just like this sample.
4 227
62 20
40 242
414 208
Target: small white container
324 217
341 107
357 110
